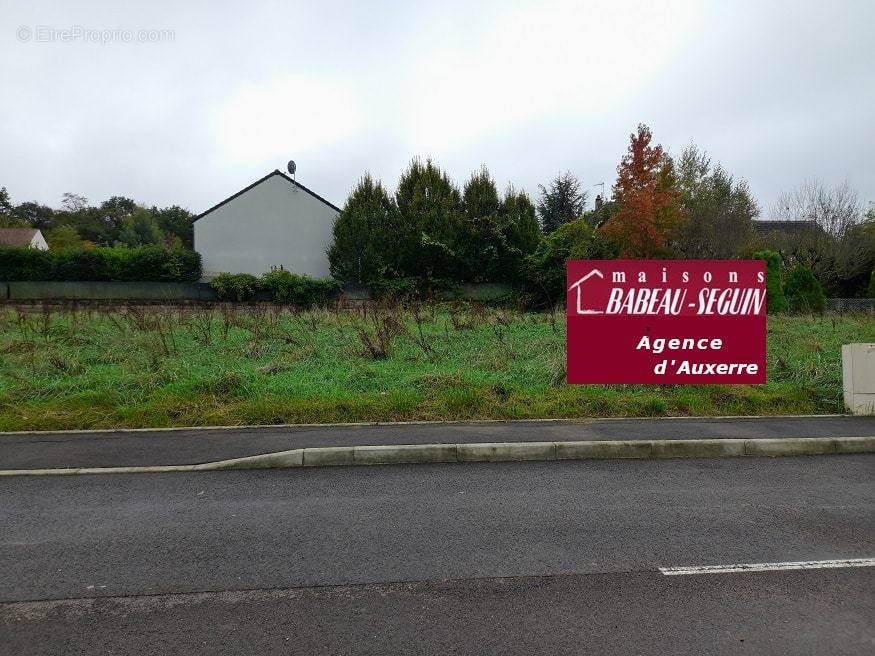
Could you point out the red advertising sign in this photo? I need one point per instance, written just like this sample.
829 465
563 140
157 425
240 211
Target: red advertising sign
666 321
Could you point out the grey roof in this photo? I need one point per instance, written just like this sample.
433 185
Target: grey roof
258 182
17 236
784 226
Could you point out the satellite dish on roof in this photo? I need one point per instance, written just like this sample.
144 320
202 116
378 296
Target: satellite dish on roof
292 167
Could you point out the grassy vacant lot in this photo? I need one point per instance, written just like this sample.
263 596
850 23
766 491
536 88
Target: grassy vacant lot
136 367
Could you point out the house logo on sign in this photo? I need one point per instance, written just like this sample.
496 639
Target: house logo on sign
577 286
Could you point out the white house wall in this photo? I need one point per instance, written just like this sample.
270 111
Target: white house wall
39 242
274 223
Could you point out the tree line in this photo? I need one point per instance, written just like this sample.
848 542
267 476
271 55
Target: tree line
117 221
428 233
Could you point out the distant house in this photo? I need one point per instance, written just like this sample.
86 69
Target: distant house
273 222
23 238
765 227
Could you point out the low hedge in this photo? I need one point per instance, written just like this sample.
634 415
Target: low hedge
303 291
235 286
149 263
282 287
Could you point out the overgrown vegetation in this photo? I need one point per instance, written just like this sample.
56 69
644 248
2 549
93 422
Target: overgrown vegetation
194 366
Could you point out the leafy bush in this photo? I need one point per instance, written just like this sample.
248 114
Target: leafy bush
149 263
303 291
872 284
63 237
235 286
804 294
181 264
575 240
775 299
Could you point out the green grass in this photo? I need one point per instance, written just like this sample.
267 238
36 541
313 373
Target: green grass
138 368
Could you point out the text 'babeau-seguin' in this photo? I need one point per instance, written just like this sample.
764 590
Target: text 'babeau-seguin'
671 301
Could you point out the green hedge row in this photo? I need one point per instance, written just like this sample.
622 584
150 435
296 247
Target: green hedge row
280 285
149 263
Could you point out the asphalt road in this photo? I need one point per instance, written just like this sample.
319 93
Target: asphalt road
178 447
818 613
518 558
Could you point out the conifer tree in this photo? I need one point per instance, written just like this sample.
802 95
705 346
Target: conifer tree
431 218
364 234
561 203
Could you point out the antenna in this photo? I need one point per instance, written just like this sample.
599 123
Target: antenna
292 167
600 197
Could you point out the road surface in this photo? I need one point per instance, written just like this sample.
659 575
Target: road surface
515 558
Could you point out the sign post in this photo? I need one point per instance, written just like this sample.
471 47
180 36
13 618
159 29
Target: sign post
666 321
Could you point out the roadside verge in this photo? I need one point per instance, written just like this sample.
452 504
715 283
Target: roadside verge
498 452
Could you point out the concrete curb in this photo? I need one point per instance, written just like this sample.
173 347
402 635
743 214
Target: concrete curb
498 452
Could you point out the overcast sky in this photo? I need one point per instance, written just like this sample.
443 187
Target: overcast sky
221 93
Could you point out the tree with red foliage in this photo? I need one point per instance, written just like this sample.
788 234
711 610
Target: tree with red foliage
649 202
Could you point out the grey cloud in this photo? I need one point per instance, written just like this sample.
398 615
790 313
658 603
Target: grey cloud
778 93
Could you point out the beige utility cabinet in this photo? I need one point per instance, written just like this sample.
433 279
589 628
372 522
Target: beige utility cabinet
858 378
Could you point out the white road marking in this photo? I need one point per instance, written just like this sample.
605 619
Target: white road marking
767 567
